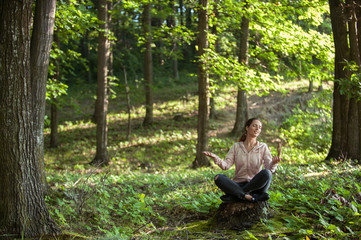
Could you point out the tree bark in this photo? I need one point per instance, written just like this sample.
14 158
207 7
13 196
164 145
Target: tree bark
352 123
240 215
87 56
353 131
310 86
214 78
111 52
171 23
41 40
340 102
242 106
128 102
148 66
54 116
203 87
101 157
359 130
189 52
22 210
54 136
181 14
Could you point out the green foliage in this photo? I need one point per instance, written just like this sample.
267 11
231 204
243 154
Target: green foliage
54 89
149 190
245 77
309 127
351 86
305 193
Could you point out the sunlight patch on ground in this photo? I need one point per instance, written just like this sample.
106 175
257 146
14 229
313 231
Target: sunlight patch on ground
317 174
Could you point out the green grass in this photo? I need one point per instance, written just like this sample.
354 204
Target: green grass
149 190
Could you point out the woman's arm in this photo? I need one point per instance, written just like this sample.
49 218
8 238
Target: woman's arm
270 162
224 164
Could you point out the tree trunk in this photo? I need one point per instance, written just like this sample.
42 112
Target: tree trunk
241 112
352 131
212 108
128 103
148 66
41 39
358 13
340 103
157 22
188 51
310 86
203 88
171 23
352 123
22 210
101 157
320 88
352 148
359 130
111 44
89 62
54 136
214 78
181 14
242 106
240 215
54 117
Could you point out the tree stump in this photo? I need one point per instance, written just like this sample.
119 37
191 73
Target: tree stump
241 215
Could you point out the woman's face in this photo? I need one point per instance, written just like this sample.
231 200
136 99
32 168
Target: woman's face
254 129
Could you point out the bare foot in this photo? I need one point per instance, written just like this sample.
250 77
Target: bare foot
248 197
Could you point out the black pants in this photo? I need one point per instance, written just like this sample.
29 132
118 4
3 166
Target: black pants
257 187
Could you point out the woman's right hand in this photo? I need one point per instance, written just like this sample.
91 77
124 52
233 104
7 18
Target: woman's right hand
208 154
215 158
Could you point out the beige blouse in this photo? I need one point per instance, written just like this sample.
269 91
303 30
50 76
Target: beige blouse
248 164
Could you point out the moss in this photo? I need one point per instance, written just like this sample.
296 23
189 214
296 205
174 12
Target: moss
266 229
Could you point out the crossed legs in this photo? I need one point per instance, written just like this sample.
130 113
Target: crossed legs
255 190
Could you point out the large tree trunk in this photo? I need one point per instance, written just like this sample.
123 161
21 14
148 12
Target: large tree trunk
358 13
242 106
346 135
148 66
340 102
353 123
101 157
22 209
203 88
41 40
352 131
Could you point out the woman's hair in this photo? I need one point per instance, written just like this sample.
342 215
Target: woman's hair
247 124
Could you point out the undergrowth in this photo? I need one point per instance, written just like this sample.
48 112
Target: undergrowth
149 190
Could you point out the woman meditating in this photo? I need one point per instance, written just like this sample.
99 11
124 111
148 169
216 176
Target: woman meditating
250 182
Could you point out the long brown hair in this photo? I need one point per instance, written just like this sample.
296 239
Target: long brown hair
247 124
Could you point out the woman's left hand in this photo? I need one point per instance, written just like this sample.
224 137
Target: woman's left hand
276 160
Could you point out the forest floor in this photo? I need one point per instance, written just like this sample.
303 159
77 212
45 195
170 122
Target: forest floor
149 190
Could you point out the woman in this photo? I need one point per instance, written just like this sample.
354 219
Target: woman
250 182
